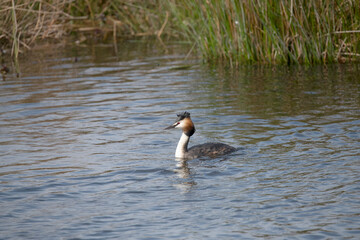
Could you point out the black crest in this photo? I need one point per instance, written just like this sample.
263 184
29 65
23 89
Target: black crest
183 115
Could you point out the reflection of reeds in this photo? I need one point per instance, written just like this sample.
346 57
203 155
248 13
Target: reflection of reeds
294 31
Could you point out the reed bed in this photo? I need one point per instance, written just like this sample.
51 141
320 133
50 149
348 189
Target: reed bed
233 31
24 21
271 31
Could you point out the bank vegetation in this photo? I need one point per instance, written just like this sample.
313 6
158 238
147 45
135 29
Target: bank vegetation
232 31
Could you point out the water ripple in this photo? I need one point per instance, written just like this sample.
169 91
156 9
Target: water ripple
83 153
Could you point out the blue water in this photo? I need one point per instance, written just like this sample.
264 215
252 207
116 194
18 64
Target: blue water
83 153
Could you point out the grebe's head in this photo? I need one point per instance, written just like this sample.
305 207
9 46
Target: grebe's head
184 122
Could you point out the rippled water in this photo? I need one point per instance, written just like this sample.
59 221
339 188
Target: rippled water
83 154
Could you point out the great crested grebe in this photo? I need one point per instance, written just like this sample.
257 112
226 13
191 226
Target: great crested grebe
203 150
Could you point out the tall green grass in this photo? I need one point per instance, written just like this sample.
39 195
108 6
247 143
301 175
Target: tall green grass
272 31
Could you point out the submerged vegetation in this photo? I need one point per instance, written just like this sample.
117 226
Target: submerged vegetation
265 31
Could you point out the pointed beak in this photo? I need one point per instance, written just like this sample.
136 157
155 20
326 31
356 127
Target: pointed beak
172 126
169 127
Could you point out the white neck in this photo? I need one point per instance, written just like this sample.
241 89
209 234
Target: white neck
181 148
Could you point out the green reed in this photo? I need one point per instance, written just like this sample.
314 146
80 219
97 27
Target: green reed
269 31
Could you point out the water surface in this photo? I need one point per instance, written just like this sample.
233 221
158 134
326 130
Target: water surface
84 155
